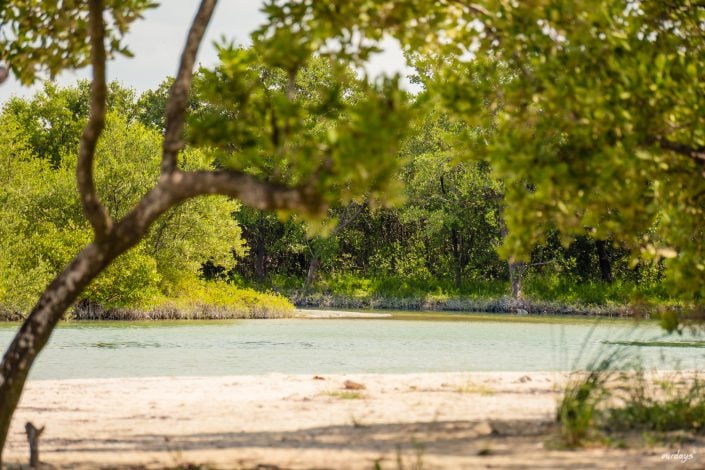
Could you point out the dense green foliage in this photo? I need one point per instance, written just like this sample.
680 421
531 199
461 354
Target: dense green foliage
42 38
41 221
591 114
441 239
554 131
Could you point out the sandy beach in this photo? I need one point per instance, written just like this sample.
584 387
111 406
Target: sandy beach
430 420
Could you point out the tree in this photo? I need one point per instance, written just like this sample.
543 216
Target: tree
596 107
322 249
591 113
324 167
273 245
455 202
43 225
599 108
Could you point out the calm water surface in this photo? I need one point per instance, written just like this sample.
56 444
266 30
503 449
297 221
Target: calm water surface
406 343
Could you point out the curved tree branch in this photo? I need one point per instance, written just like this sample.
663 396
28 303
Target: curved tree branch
695 153
178 95
174 187
94 210
249 190
178 186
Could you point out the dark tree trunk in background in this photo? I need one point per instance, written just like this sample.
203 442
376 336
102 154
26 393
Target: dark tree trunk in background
312 273
457 257
456 246
605 262
351 213
259 259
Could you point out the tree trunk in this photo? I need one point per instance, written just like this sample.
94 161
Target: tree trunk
516 268
312 274
259 260
37 328
516 273
605 262
33 434
457 258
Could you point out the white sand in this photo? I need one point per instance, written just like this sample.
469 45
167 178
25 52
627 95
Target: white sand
306 313
443 420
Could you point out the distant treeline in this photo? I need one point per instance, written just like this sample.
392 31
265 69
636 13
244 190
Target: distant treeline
442 237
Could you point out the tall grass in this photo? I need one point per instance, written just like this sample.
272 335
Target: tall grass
615 396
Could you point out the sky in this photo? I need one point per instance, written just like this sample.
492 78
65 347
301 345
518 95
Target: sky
156 42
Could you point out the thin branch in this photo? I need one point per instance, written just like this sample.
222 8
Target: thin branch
695 153
347 220
94 210
542 263
178 96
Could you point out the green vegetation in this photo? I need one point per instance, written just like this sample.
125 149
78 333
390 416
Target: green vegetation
616 403
556 147
194 300
346 395
42 225
435 250
661 409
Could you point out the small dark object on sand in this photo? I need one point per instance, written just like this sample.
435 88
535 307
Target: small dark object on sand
350 385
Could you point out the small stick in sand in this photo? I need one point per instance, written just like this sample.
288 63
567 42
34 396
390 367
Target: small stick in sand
33 437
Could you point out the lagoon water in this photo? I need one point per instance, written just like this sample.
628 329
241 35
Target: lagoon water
404 343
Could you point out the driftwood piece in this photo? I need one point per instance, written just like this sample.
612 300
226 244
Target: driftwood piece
33 434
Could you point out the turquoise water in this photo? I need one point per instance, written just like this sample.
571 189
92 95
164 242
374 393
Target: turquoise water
406 343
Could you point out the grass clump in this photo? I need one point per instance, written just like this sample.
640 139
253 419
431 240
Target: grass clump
578 410
659 407
606 406
346 395
229 300
472 387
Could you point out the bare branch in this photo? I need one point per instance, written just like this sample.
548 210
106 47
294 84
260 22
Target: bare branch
178 186
95 212
695 153
248 190
345 221
178 96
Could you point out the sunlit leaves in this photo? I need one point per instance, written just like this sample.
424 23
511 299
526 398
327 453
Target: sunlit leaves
43 37
317 127
588 110
42 225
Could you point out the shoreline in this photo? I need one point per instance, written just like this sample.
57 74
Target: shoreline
442 420
371 307
506 305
